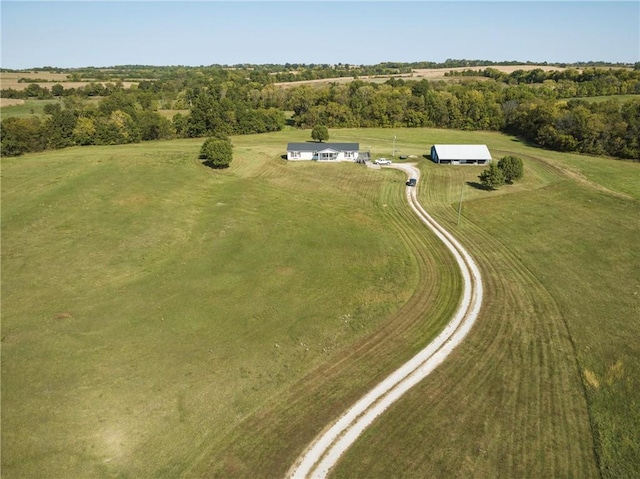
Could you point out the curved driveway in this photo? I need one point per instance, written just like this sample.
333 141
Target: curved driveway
325 451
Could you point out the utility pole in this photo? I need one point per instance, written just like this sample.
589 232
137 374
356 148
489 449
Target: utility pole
460 206
393 152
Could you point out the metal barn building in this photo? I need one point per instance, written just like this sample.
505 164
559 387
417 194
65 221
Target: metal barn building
461 154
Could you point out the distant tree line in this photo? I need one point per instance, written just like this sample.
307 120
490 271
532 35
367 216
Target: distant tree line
538 113
130 116
122 117
569 83
545 108
35 91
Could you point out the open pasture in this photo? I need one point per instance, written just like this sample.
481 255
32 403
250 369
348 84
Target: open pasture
161 319
152 304
554 365
616 98
23 108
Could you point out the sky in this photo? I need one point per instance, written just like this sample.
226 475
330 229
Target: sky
73 34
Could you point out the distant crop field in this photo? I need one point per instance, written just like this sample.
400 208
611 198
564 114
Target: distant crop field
33 75
11 80
439 72
10 102
420 73
161 319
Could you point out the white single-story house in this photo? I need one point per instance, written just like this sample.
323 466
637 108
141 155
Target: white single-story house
461 154
323 151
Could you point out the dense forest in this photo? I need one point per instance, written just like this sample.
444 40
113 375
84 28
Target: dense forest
549 108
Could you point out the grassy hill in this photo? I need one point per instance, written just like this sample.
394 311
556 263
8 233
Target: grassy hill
161 319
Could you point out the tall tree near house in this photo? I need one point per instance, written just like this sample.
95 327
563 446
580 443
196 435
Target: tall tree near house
512 168
493 177
217 152
320 133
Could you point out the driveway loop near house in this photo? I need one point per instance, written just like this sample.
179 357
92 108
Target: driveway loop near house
324 452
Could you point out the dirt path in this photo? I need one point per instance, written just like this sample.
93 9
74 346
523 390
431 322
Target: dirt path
325 451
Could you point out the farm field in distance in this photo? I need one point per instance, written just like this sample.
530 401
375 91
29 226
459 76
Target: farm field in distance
11 80
161 319
433 74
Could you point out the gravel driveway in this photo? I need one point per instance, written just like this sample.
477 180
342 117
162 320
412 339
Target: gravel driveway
325 451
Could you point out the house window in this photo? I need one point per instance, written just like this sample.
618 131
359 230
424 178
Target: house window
295 154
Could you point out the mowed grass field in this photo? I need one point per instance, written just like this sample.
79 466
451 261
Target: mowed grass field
165 320
547 384
150 305
24 108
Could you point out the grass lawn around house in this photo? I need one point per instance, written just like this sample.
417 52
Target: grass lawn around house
553 363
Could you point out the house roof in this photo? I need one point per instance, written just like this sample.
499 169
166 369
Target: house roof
463 152
315 146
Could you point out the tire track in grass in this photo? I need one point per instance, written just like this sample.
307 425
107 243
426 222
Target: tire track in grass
326 450
528 344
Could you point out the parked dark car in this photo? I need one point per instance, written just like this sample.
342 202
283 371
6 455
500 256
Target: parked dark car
412 182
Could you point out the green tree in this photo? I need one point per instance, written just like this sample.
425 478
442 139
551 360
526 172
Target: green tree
52 108
180 124
35 90
512 168
320 133
60 128
85 131
152 126
118 101
57 90
217 152
22 135
206 116
339 116
124 124
493 177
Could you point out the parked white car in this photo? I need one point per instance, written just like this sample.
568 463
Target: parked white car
382 161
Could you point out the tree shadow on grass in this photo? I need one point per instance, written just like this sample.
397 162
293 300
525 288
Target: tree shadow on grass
479 186
209 164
